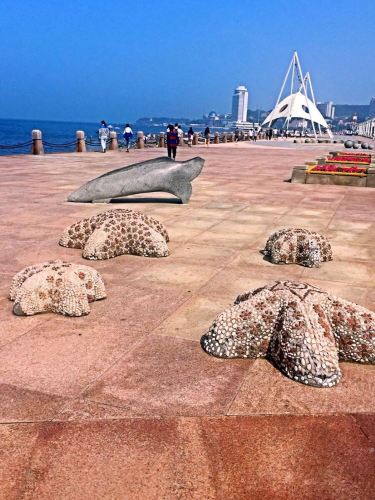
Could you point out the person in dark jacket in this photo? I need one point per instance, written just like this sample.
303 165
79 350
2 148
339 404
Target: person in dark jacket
190 136
236 135
172 141
207 135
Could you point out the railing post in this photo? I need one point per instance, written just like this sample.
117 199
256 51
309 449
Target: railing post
80 142
225 137
113 143
195 138
216 138
37 146
161 140
140 140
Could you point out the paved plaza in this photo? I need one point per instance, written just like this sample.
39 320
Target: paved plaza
124 403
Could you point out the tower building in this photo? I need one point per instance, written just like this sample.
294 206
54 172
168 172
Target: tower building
239 104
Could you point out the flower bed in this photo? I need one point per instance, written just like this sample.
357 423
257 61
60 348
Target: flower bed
338 170
361 159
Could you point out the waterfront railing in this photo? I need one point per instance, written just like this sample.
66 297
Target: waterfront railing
81 144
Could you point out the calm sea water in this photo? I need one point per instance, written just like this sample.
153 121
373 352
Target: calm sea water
19 131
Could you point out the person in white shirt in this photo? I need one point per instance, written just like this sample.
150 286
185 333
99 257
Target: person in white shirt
180 133
103 135
128 134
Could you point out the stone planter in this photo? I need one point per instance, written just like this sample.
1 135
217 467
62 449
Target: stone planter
301 176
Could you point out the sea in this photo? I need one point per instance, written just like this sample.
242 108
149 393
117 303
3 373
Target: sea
60 135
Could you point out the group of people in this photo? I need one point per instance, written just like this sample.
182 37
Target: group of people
104 132
175 136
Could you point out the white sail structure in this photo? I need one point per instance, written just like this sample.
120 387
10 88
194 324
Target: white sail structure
298 104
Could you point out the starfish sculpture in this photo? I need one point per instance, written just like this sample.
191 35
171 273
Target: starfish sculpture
302 329
299 246
117 232
56 286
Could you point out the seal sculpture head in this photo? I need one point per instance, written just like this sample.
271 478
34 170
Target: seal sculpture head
158 175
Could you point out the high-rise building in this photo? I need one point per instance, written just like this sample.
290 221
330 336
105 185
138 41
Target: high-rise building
327 109
239 104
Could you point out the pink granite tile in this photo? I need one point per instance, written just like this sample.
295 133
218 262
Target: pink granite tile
22 405
142 458
63 355
289 457
169 376
12 326
353 394
17 443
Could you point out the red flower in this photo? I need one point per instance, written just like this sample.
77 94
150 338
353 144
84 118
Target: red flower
329 168
350 158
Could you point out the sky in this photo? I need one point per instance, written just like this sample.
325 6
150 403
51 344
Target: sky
85 60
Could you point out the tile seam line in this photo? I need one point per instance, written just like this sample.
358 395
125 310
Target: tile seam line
215 416
23 334
74 396
246 374
357 424
196 293
93 381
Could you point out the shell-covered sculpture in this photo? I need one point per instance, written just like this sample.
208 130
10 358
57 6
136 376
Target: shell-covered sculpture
117 232
298 246
56 286
303 330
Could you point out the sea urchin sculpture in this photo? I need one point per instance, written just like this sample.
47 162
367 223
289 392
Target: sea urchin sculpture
117 232
299 246
56 286
302 329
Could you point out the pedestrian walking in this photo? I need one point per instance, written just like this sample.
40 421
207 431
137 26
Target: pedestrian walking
207 136
128 134
180 134
190 135
236 135
172 141
103 135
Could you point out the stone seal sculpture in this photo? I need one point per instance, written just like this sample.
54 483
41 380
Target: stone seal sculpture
159 174
300 328
56 286
117 232
298 246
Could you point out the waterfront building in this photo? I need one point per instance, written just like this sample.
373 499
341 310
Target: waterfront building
240 102
327 109
213 119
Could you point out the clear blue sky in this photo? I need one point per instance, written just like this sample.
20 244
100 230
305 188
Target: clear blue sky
89 59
